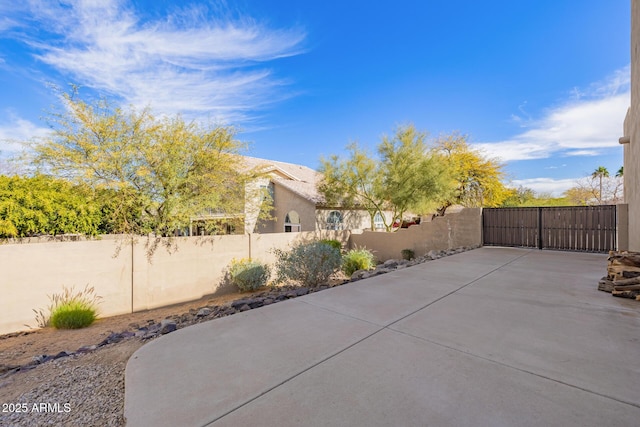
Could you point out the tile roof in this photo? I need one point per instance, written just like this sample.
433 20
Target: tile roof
299 179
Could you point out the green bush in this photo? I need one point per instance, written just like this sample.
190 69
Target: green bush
249 275
70 310
73 316
310 264
357 259
408 254
333 243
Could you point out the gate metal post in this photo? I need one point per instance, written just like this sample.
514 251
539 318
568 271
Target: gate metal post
539 228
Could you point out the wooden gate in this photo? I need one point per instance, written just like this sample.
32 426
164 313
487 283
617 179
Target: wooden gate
570 228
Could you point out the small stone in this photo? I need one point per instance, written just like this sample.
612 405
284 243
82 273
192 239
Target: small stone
239 303
390 264
86 349
302 291
114 337
268 301
167 325
245 307
127 334
149 335
203 312
41 358
61 354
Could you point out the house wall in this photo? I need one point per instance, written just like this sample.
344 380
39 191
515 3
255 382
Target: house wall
352 219
284 201
632 130
455 229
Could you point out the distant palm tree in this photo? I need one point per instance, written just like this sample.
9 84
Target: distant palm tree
620 172
600 173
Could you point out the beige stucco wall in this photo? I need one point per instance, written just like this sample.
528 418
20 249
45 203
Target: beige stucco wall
33 271
632 130
455 229
191 272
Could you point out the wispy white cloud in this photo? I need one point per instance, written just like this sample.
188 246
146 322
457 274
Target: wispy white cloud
554 187
583 126
197 61
15 129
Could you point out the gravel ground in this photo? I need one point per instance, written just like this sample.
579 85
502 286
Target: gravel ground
84 390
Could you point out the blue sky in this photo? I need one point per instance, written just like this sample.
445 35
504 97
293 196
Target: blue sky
544 85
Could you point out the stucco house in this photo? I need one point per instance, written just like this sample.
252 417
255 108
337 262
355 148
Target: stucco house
631 138
297 204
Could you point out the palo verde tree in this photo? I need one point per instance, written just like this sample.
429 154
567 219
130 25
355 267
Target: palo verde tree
353 182
413 178
406 177
161 172
478 180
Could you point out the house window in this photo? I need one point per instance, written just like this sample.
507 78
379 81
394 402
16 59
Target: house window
378 222
335 221
292 222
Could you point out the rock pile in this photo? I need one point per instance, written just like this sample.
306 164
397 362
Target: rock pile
397 264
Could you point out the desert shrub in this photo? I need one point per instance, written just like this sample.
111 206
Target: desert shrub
249 275
70 309
408 254
333 243
310 264
357 259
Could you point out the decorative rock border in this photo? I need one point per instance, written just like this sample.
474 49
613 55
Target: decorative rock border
153 329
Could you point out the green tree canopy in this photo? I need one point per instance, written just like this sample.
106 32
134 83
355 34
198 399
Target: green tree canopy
414 179
478 180
42 205
406 177
353 182
161 172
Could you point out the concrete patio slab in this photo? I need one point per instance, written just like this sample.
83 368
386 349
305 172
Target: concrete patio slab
553 324
392 379
207 370
507 337
389 297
